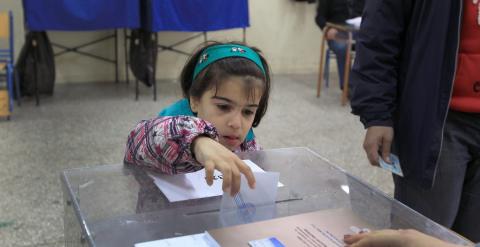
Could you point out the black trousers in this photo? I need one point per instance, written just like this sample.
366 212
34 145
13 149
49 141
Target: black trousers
454 200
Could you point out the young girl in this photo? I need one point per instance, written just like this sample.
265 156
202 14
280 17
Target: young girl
226 89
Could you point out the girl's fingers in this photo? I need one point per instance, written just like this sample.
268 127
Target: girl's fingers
209 169
236 181
227 176
247 171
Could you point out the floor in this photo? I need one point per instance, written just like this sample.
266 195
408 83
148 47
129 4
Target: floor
86 124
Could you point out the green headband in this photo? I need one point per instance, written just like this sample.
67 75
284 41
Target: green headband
217 52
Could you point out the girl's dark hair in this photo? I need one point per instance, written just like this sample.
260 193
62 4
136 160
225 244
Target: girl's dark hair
216 73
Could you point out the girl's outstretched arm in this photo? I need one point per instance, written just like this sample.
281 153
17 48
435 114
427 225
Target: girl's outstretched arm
163 144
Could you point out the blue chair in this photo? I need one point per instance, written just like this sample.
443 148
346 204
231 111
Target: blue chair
7 69
326 52
329 54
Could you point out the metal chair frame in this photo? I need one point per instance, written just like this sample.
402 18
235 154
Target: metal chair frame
7 58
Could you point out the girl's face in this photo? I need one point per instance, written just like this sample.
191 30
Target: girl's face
230 108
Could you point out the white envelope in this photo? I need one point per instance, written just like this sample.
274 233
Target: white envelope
193 185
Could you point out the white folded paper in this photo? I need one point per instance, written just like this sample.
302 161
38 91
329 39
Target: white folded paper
193 185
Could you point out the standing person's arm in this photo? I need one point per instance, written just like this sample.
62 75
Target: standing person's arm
358 6
375 73
322 10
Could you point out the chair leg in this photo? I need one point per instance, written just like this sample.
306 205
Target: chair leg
347 69
137 90
35 72
321 68
17 86
125 45
326 74
154 74
10 87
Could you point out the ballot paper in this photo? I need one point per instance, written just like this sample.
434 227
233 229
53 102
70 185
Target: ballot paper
198 240
182 187
251 205
245 207
393 167
266 242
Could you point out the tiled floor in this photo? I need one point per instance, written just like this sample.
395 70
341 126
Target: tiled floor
86 125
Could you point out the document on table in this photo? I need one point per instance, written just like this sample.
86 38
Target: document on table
321 228
193 185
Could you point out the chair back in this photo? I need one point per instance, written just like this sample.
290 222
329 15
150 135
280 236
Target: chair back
6 37
4 25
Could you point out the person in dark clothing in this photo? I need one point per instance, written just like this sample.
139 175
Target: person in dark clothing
337 11
417 91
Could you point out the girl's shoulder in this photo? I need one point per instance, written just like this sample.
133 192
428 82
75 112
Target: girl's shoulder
181 107
250 145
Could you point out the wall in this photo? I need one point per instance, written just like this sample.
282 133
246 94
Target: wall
284 30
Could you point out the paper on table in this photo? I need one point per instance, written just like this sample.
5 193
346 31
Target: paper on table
320 228
189 186
199 240
251 205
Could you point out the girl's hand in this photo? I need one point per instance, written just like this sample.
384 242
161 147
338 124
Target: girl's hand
214 155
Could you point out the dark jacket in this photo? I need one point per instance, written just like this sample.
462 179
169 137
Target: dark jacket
337 11
403 76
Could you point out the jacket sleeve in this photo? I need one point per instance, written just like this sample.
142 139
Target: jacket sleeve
163 144
357 8
375 73
321 16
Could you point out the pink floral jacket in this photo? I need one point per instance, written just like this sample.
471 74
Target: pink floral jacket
163 144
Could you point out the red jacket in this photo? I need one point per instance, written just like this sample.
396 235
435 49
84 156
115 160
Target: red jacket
466 90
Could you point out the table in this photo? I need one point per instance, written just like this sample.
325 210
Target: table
349 40
116 205
85 15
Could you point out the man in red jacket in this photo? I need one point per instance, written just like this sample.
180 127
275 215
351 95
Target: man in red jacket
417 74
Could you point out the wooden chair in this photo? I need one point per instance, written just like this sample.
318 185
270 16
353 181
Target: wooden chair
348 60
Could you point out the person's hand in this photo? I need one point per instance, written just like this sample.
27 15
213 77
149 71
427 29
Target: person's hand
394 238
331 33
378 139
214 155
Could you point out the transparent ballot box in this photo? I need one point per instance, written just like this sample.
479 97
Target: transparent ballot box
117 205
